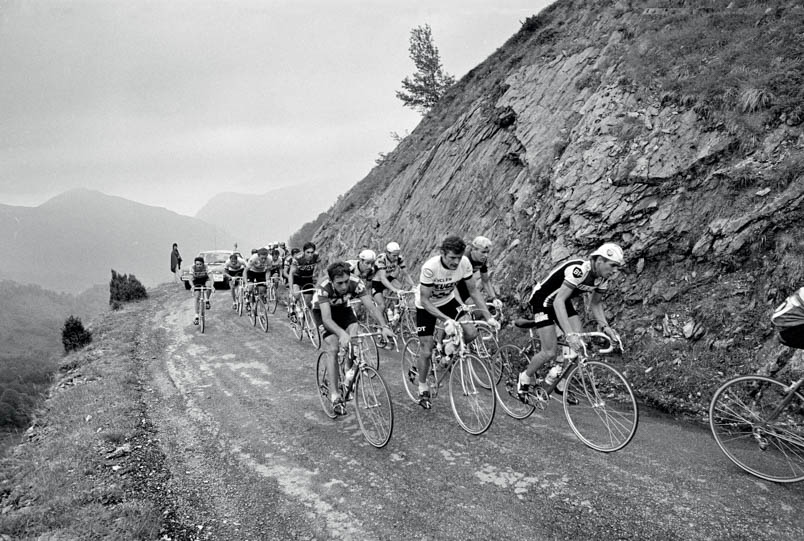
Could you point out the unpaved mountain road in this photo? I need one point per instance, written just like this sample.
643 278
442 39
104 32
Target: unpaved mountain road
252 456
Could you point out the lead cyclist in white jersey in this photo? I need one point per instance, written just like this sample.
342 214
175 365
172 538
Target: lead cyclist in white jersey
435 300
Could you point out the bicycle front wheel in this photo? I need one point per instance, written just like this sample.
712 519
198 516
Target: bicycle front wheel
512 362
486 347
324 384
203 318
472 394
742 419
239 300
311 329
605 417
252 311
262 314
271 302
375 413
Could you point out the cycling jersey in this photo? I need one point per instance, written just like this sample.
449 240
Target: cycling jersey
576 273
305 270
391 268
434 274
325 293
255 265
275 266
355 270
200 276
234 269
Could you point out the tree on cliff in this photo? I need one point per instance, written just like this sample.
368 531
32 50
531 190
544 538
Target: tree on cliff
430 82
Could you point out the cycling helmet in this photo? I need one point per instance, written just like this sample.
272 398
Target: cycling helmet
612 252
367 256
392 247
481 243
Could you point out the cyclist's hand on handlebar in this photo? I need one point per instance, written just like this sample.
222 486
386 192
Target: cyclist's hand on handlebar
497 304
450 326
493 323
387 333
575 342
611 333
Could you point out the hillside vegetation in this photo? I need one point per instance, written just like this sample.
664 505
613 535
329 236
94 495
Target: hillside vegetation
671 127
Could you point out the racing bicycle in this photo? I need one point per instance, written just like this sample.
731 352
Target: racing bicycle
367 391
201 297
758 423
598 401
301 318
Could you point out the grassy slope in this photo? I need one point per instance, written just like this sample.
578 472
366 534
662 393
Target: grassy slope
64 479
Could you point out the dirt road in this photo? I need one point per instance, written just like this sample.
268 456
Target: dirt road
252 456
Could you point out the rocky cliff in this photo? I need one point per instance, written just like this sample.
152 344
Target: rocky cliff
672 128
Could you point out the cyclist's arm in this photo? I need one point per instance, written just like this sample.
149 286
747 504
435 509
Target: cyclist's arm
427 304
329 323
596 307
485 279
383 277
477 297
374 310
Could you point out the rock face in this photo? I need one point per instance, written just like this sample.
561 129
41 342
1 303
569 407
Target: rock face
552 146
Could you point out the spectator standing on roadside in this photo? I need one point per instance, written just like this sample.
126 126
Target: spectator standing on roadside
175 262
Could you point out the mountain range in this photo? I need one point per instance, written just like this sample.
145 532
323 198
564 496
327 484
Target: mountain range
75 239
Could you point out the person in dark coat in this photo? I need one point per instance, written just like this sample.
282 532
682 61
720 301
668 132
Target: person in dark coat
175 262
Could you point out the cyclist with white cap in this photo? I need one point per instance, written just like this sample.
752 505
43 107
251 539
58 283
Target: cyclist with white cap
390 267
551 304
363 266
478 254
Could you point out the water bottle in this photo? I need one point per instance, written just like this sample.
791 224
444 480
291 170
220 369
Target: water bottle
389 314
553 375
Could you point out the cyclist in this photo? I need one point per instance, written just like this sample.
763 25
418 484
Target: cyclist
302 272
551 304
389 267
363 266
332 311
200 279
288 260
789 320
234 269
256 269
478 254
435 300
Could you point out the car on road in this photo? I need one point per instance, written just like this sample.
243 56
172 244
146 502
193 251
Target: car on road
215 261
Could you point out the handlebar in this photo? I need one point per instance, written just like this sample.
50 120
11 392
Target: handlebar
596 334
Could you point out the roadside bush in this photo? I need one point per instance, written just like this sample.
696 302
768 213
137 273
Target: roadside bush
73 335
125 288
23 382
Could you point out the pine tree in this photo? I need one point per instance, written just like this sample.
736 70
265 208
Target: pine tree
430 82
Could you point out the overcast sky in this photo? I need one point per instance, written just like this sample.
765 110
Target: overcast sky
170 102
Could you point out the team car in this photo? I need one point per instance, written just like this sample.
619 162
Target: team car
215 260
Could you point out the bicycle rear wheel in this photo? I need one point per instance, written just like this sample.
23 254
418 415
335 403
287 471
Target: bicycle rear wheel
375 412
407 325
740 418
262 314
471 394
323 383
606 415
410 373
512 362
368 347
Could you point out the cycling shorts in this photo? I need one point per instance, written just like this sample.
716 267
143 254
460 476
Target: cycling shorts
253 276
377 287
544 316
426 322
235 273
275 272
343 316
793 336
198 282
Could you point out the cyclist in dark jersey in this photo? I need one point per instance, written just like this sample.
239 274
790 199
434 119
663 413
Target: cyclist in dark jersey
331 311
302 272
551 304
234 269
200 279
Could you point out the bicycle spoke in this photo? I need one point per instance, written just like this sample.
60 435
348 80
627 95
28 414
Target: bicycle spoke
746 430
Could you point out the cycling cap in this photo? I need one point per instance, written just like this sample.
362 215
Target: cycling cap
367 256
392 247
612 252
481 243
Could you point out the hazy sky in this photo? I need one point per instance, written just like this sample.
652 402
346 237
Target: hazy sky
170 102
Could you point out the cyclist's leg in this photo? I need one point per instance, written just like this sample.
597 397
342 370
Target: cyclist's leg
425 324
549 350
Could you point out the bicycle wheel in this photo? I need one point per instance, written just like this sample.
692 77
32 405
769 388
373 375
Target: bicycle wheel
375 412
407 325
512 362
485 346
271 302
240 301
742 419
252 310
410 373
472 394
295 323
311 329
203 318
368 347
606 416
262 314
323 384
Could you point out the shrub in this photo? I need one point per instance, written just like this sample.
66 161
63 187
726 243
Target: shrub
755 99
73 335
123 288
